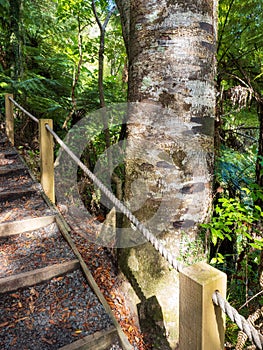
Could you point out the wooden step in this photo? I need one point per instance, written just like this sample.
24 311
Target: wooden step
3 140
10 195
9 153
4 170
98 341
30 278
16 227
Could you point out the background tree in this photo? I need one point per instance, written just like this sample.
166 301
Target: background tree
240 66
236 225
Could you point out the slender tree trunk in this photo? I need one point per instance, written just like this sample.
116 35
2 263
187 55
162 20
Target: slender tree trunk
75 77
102 27
124 10
15 38
172 46
259 164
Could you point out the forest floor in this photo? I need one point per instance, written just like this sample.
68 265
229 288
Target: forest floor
103 266
99 260
58 310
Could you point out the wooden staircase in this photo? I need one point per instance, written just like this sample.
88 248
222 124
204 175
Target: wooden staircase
37 255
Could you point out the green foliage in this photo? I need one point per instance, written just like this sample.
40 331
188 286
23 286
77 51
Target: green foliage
53 35
235 169
240 38
32 158
235 228
236 214
191 251
49 61
233 220
236 221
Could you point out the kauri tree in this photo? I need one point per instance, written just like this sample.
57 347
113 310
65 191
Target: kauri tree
171 48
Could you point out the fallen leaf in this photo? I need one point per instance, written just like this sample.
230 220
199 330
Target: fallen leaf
29 325
32 290
49 341
6 161
130 329
4 324
31 307
59 278
21 319
112 305
14 295
13 342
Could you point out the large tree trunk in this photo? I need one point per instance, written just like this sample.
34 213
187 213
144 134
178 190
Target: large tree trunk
172 46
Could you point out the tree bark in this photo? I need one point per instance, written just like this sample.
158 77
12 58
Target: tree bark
172 65
124 10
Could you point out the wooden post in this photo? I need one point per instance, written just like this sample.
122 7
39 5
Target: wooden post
202 324
47 159
9 119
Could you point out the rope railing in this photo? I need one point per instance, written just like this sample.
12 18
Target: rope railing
178 266
24 110
244 325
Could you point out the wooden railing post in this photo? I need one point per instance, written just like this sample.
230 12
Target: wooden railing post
47 158
9 119
202 324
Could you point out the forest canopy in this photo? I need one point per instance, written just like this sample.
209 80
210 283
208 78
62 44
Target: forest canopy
49 56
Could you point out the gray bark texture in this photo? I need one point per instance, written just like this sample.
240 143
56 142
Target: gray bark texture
124 10
169 157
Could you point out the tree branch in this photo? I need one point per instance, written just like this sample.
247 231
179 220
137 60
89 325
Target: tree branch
224 25
102 27
76 76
